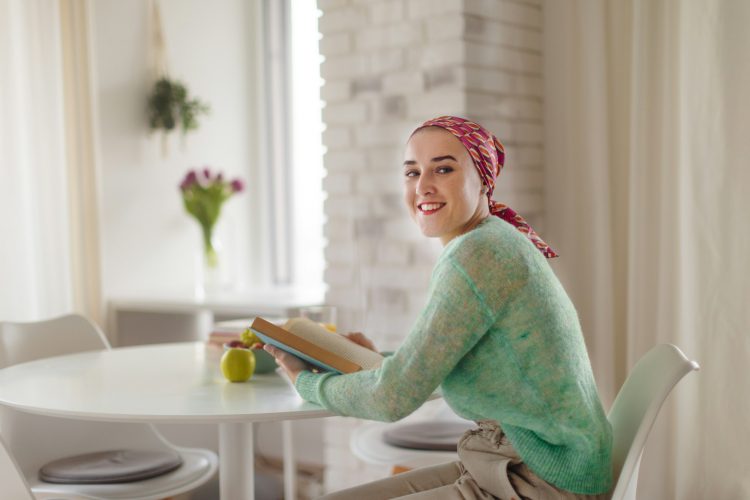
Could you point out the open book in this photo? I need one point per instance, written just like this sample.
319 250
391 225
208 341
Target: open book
313 343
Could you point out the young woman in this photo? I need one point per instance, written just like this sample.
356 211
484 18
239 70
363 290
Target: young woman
499 335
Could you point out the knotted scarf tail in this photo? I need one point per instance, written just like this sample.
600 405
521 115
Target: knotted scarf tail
509 215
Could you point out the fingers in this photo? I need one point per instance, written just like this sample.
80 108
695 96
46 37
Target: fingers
272 351
287 361
278 355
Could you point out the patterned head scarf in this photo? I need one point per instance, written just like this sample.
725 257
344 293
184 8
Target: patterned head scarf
488 155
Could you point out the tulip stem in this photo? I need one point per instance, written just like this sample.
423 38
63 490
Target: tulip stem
212 259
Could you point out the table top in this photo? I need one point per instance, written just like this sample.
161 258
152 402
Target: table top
178 383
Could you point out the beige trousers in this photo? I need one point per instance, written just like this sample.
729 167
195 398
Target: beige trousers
489 469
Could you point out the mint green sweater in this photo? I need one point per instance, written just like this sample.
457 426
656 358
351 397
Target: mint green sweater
502 339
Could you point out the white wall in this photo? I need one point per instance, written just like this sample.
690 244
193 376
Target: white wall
149 244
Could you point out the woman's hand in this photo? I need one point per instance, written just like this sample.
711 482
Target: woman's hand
361 339
290 363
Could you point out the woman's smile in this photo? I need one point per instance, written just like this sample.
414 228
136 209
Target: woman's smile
430 208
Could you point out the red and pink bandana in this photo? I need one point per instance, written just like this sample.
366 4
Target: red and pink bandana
488 155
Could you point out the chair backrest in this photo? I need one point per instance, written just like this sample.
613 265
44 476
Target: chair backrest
635 409
13 483
21 342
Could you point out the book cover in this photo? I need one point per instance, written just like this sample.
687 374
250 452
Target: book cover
316 345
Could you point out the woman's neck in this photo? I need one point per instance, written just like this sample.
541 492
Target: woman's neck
472 223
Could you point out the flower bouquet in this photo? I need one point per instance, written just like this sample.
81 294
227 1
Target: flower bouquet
203 194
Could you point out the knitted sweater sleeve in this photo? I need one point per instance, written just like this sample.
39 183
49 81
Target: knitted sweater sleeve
454 319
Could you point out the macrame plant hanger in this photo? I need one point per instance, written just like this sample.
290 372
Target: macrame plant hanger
160 65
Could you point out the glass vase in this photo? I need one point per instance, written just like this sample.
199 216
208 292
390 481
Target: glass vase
210 268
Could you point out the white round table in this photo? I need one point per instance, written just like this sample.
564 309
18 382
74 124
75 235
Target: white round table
162 383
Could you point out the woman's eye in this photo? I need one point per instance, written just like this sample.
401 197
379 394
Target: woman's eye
444 170
411 173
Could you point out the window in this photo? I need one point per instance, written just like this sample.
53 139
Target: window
292 128
307 152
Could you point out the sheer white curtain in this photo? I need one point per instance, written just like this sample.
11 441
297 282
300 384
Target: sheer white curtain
34 223
49 247
647 113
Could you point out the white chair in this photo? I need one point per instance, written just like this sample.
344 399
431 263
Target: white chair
635 409
34 440
13 483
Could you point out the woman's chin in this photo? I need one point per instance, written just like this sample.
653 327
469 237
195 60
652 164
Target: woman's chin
431 232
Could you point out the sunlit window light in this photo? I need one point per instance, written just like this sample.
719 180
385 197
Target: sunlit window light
307 151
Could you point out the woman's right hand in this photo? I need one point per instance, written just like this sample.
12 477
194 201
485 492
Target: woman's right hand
361 339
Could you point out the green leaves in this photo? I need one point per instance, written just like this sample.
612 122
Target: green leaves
204 203
203 194
170 105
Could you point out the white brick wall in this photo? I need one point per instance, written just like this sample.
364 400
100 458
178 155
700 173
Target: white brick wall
389 65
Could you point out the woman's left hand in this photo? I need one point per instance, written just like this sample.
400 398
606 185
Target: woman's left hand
291 364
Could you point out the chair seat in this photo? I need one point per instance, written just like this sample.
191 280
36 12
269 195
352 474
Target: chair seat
434 436
197 464
112 466
367 443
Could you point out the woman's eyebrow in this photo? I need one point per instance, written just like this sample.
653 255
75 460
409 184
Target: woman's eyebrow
441 158
434 160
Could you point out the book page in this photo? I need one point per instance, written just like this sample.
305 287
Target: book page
334 342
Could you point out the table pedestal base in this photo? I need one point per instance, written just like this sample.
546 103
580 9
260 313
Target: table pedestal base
236 462
290 473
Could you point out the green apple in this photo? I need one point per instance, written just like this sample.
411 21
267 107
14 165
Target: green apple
238 365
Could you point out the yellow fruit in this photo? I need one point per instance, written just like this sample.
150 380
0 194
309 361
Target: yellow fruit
238 365
249 338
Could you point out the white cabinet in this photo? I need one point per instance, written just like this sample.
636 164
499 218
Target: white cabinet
152 320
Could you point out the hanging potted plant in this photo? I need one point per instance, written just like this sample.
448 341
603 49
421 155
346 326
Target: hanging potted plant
170 105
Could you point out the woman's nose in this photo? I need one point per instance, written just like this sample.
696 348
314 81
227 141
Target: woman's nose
425 185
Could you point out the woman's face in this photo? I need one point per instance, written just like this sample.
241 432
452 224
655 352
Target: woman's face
442 188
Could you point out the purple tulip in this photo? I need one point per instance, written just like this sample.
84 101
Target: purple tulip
207 173
238 185
219 178
190 179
